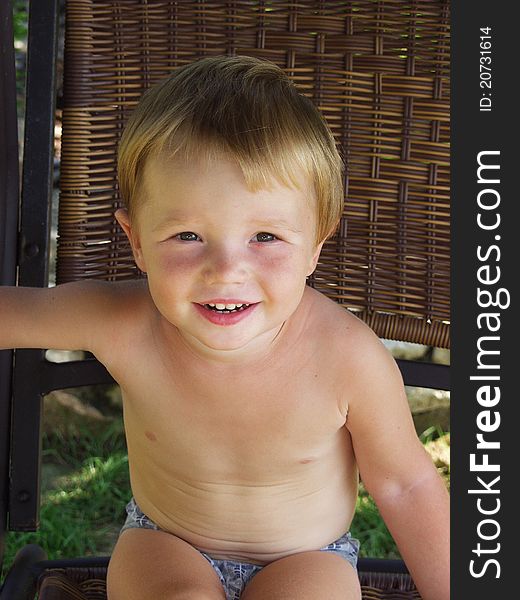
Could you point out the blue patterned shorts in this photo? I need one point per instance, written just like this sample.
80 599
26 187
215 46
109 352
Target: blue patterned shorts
235 575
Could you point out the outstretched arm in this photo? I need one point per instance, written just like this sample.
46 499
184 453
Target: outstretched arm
395 468
71 316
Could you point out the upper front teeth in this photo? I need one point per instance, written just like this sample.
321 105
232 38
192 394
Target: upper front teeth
226 306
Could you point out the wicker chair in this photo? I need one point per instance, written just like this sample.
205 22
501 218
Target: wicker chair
379 72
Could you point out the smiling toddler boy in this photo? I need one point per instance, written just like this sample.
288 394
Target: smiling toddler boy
252 403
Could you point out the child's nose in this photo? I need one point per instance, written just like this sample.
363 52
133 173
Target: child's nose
225 265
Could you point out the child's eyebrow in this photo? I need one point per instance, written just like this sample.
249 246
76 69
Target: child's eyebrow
277 224
267 224
169 221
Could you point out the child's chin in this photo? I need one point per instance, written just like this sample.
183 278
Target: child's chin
227 345
234 346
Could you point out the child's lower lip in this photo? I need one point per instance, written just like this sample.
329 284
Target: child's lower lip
225 318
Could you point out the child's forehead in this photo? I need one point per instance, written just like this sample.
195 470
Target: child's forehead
165 174
188 171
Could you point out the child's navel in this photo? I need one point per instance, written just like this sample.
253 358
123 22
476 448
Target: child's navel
151 436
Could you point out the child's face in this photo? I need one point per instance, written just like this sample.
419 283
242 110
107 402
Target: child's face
203 238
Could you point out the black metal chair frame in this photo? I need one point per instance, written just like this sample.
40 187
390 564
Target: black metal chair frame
25 224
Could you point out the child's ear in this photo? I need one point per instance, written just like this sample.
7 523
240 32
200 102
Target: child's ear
123 218
314 259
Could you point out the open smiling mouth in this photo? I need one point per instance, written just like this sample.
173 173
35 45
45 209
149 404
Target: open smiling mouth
225 314
225 309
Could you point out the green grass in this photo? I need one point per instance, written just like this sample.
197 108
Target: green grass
20 15
368 527
82 511
76 519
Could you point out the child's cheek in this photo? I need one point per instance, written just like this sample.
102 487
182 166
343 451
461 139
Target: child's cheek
275 262
177 264
280 263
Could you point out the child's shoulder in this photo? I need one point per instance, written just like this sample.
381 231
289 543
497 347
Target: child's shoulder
109 308
104 298
111 315
129 290
128 302
358 360
341 333
134 291
339 324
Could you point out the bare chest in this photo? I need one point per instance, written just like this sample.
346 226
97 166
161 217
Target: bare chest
233 423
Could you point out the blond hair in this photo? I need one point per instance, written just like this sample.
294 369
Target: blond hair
243 108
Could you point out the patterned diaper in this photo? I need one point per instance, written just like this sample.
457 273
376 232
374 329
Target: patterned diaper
235 575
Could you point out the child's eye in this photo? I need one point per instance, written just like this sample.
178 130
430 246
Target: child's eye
187 236
265 237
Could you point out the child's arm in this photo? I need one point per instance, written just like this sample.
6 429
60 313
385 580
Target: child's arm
72 316
395 468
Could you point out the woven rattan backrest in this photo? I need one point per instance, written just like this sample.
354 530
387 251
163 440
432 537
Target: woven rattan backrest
378 71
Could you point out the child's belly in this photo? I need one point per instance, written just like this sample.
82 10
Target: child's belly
256 511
